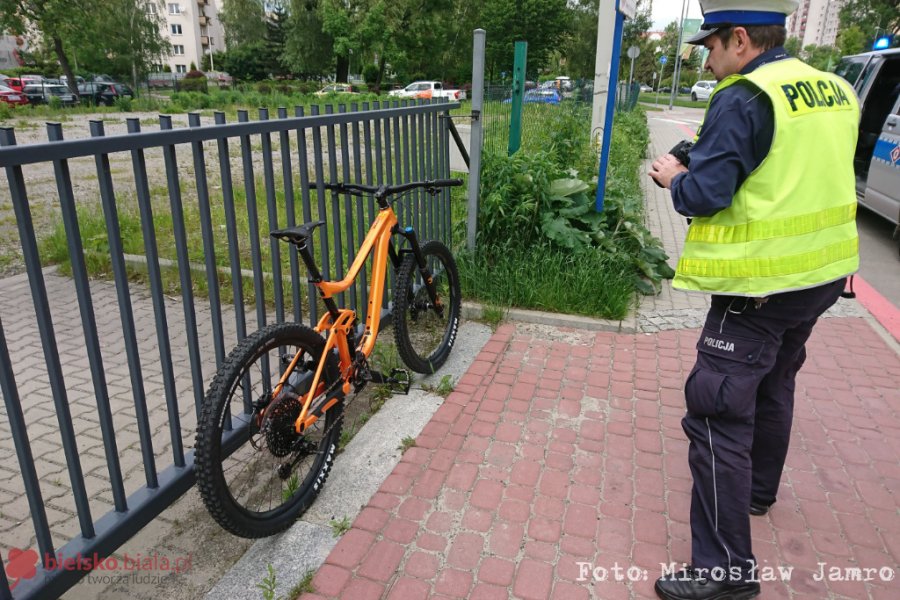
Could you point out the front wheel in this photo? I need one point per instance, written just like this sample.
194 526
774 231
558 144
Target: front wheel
424 329
694 97
256 475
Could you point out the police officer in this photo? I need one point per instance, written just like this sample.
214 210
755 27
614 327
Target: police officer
771 193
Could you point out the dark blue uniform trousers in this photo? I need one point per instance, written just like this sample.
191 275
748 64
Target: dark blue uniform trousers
740 403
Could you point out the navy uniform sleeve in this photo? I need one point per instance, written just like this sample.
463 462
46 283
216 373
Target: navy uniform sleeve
734 140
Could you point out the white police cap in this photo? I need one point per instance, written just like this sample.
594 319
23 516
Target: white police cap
726 13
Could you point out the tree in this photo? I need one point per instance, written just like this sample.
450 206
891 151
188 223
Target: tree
634 33
307 47
55 19
580 46
542 23
125 40
275 37
851 40
823 58
247 62
872 17
244 22
794 46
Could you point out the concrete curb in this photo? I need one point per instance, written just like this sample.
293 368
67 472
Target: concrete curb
472 310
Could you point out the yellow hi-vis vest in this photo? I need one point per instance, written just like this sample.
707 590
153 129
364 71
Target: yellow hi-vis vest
792 223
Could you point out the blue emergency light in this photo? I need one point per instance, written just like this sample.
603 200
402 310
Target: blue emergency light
882 43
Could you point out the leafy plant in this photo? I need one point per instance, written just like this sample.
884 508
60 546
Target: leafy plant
268 585
339 528
539 198
443 388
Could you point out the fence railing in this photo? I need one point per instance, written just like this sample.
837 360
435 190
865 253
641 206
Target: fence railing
164 246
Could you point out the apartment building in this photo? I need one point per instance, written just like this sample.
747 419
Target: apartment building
816 22
193 28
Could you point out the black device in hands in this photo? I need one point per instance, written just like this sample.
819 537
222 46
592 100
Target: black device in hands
681 152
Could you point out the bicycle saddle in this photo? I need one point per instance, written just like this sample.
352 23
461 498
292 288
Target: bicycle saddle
297 235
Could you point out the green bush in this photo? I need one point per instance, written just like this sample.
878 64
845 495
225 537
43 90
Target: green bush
370 74
55 102
195 81
123 104
5 111
540 198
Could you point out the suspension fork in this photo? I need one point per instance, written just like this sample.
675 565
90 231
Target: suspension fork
410 234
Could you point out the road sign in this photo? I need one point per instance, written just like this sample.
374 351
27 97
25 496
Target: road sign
663 60
633 52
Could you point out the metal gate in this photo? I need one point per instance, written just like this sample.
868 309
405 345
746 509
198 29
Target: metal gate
102 376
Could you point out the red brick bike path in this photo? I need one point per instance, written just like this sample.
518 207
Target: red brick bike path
549 454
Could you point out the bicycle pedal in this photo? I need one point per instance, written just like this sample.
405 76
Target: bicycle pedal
400 381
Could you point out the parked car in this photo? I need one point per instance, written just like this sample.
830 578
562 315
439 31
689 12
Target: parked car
875 76
78 80
12 97
428 89
41 94
702 90
18 83
646 88
104 92
336 88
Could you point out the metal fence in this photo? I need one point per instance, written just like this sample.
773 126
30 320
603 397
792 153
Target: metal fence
102 377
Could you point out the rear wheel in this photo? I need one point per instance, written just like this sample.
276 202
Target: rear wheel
255 474
425 331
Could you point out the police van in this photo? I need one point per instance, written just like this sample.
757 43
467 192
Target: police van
876 78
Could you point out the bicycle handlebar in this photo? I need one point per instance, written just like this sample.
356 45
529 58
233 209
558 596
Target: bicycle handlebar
383 191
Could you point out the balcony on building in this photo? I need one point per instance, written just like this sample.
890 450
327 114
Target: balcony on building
204 40
204 20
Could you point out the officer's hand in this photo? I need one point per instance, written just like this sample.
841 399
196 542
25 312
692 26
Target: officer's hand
664 169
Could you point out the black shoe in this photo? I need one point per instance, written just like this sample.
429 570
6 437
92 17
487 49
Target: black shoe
758 509
687 585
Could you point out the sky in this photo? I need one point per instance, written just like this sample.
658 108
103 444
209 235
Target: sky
666 11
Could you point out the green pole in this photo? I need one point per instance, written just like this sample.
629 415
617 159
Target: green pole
515 122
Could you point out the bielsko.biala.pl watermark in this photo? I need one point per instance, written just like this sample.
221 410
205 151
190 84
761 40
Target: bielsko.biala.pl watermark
754 572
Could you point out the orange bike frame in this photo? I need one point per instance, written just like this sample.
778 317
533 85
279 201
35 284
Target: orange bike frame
378 240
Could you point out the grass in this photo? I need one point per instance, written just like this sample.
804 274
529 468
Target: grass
587 283
493 315
304 586
683 101
443 388
407 443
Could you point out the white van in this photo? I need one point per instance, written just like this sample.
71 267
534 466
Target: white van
876 78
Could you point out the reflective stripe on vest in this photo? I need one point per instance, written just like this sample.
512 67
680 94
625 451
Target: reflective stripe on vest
770 266
764 230
791 224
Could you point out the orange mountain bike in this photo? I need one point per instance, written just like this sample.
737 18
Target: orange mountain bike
271 420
